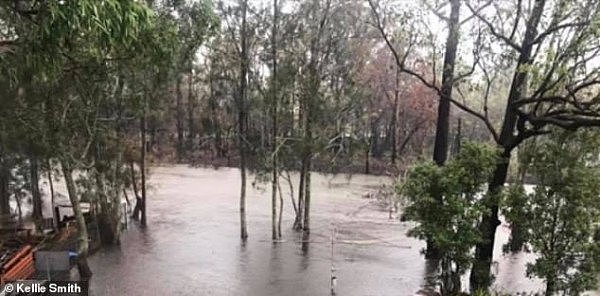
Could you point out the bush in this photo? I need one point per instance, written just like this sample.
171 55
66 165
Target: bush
446 202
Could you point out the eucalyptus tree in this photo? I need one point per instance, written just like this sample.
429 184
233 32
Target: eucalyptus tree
302 73
86 83
181 28
550 46
549 49
243 115
328 92
237 33
453 22
195 22
276 231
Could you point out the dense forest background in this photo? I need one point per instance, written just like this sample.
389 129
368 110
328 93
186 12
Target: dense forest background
95 92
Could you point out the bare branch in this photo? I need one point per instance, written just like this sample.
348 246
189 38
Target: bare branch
556 28
400 61
474 15
489 25
482 117
517 19
436 10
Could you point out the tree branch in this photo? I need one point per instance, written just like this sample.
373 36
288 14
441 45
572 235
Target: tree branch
506 40
400 61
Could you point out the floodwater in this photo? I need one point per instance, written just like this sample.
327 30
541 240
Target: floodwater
192 247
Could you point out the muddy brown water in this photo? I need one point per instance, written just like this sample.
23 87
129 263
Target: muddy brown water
192 247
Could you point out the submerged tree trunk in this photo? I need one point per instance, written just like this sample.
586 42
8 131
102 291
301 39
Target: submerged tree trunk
298 223
309 114
280 209
481 275
307 196
108 189
143 164
243 121
274 182
276 231
108 219
138 200
83 246
291 186
307 159
243 228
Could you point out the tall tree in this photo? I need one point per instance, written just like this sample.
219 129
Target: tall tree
274 115
440 147
242 121
552 86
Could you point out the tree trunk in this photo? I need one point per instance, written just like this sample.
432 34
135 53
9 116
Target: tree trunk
243 229
17 195
36 196
458 139
480 275
306 226
107 219
550 287
153 137
394 123
276 232
280 209
298 225
517 238
179 119
143 163
291 186
243 120
306 160
51 183
190 110
367 153
126 198
440 148
447 285
4 191
138 200
375 140
83 247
